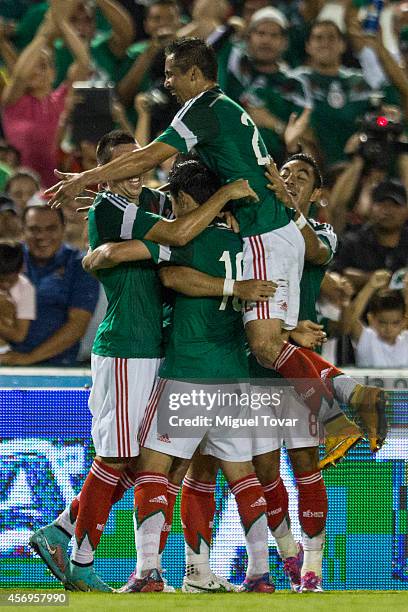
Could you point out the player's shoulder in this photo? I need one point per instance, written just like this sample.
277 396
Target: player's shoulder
155 201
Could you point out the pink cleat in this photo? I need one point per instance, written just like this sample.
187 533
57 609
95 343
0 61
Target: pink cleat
257 585
153 582
311 583
292 569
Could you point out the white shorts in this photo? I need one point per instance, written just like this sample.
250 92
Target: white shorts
292 425
164 430
120 392
276 256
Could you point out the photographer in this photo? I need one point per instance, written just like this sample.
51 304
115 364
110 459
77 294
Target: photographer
381 243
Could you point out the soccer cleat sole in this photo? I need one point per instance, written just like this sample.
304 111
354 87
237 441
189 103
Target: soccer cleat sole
56 572
339 452
192 588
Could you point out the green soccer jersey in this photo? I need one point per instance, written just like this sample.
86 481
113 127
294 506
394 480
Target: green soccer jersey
228 142
207 339
132 326
338 102
313 274
279 92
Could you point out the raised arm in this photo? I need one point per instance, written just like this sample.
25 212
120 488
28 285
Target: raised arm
352 314
61 11
21 73
123 32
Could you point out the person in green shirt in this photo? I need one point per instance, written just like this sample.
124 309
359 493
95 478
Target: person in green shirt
340 95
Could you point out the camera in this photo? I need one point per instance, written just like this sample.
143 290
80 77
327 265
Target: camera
381 139
92 115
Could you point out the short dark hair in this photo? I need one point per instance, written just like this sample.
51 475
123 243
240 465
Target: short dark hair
42 207
109 141
189 52
23 174
193 178
308 159
387 299
11 257
326 22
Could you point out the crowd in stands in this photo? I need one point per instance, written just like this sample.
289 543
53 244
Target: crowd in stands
314 76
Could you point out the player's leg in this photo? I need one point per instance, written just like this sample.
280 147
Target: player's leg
312 508
367 403
250 500
267 468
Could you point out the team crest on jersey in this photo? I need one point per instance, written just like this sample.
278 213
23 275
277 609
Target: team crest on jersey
336 97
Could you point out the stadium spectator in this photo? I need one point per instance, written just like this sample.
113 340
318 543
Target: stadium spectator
380 244
66 295
10 222
340 95
31 107
384 342
17 296
21 187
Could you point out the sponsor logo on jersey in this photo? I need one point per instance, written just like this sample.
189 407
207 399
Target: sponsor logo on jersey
160 499
259 502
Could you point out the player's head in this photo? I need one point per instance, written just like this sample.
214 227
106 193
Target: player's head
386 314
267 36
326 44
11 263
112 145
191 184
190 69
303 180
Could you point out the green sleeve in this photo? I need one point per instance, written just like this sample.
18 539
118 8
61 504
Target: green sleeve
178 256
193 125
154 250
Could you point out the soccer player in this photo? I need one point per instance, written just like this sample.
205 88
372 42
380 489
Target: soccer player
227 141
206 347
125 360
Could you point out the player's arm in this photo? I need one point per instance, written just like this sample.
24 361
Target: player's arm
316 251
112 254
134 163
194 283
180 231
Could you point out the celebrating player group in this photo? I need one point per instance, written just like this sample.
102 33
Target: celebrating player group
243 313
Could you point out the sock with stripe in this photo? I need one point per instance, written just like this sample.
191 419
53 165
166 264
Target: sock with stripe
66 521
149 516
312 518
197 516
126 481
94 507
172 492
277 502
339 383
251 504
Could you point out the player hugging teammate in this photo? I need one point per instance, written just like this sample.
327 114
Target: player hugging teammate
276 239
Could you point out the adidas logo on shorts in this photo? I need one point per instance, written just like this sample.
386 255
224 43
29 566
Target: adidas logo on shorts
164 438
259 502
159 500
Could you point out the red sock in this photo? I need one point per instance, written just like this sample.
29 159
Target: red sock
172 492
95 502
74 509
312 502
150 495
277 502
326 369
294 365
127 481
197 512
250 499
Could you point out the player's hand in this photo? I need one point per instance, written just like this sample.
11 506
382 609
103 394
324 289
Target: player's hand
254 290
70 186
239 189
230 220
309 334
379 279
277 185
296 128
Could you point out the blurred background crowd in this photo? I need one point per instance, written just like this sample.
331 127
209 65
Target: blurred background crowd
327 77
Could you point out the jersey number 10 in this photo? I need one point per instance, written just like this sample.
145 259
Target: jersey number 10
226 258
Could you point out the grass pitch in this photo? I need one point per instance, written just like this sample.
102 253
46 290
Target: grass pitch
281 601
